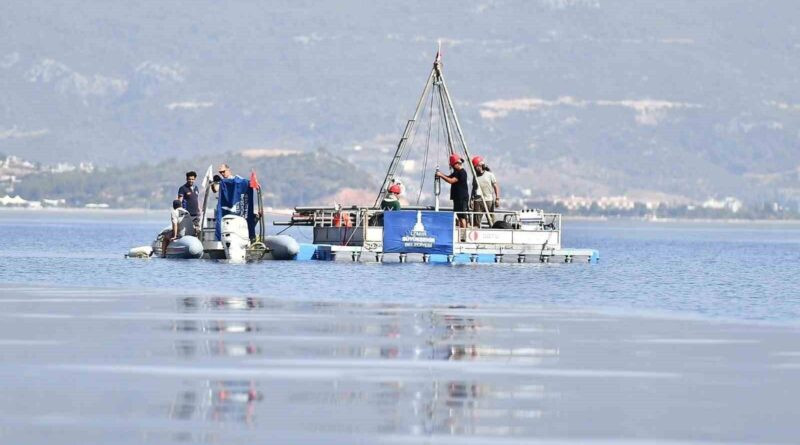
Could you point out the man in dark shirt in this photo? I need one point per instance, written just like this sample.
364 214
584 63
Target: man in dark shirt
188 194
459 190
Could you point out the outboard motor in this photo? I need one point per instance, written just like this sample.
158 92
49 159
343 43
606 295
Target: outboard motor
235 237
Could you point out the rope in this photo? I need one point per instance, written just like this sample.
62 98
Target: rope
300 232
442 128
410 144
358 224
458 145
427 148
264 249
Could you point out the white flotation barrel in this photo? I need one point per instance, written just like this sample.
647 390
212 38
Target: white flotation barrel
140 252
185 247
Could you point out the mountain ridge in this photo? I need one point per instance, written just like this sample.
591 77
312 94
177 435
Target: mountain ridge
688 99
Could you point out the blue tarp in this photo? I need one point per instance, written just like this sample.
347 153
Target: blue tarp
411 231
236 197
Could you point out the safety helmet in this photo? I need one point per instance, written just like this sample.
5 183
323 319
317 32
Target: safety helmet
454 159
394 188
476 161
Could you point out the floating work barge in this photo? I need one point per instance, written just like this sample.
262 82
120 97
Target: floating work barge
366 234
430 233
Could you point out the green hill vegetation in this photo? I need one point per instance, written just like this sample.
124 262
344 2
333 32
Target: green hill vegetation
287 180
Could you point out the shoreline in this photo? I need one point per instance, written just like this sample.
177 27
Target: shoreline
114 211
288 212
679 220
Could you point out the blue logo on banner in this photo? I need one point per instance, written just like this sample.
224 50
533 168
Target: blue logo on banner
409 231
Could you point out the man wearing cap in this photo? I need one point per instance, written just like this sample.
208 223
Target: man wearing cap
391 201
484 191
459 190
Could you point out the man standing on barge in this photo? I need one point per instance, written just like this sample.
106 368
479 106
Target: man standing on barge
485 192
459 190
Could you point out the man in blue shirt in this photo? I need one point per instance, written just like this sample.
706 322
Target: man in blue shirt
459 191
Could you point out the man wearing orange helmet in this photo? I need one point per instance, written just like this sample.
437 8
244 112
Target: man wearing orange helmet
391 200
484 189
459 190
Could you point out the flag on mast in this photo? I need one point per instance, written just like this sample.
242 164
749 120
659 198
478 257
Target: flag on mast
254 181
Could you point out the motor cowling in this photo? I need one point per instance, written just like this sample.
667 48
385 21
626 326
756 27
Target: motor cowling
235 237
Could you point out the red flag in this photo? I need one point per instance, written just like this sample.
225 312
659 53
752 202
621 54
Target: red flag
254 181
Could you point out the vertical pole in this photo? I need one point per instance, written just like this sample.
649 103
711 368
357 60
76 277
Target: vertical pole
447 126
437 189
398 154
464 144
261 228
204 213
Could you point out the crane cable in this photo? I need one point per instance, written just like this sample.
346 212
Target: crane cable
427 148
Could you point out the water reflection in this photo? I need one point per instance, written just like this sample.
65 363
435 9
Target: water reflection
459 407
218 401
191 304
213 326
452 407
214 348
325 342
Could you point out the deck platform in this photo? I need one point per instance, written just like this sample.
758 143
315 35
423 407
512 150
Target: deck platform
359 254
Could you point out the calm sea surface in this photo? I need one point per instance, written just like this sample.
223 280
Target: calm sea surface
746 271
100 349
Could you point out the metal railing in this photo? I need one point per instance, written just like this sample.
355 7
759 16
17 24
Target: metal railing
369 217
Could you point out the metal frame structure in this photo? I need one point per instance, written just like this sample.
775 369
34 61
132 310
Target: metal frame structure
353 231
435 84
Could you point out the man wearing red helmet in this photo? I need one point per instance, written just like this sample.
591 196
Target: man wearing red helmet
391 200
459 190
484 190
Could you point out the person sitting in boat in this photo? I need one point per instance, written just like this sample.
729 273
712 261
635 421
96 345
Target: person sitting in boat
180 225
392 200
484 185
459 190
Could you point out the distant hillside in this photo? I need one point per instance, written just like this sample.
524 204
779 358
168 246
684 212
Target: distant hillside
679 99
287 181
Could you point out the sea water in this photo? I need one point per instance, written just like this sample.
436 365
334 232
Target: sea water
683 333
741 270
